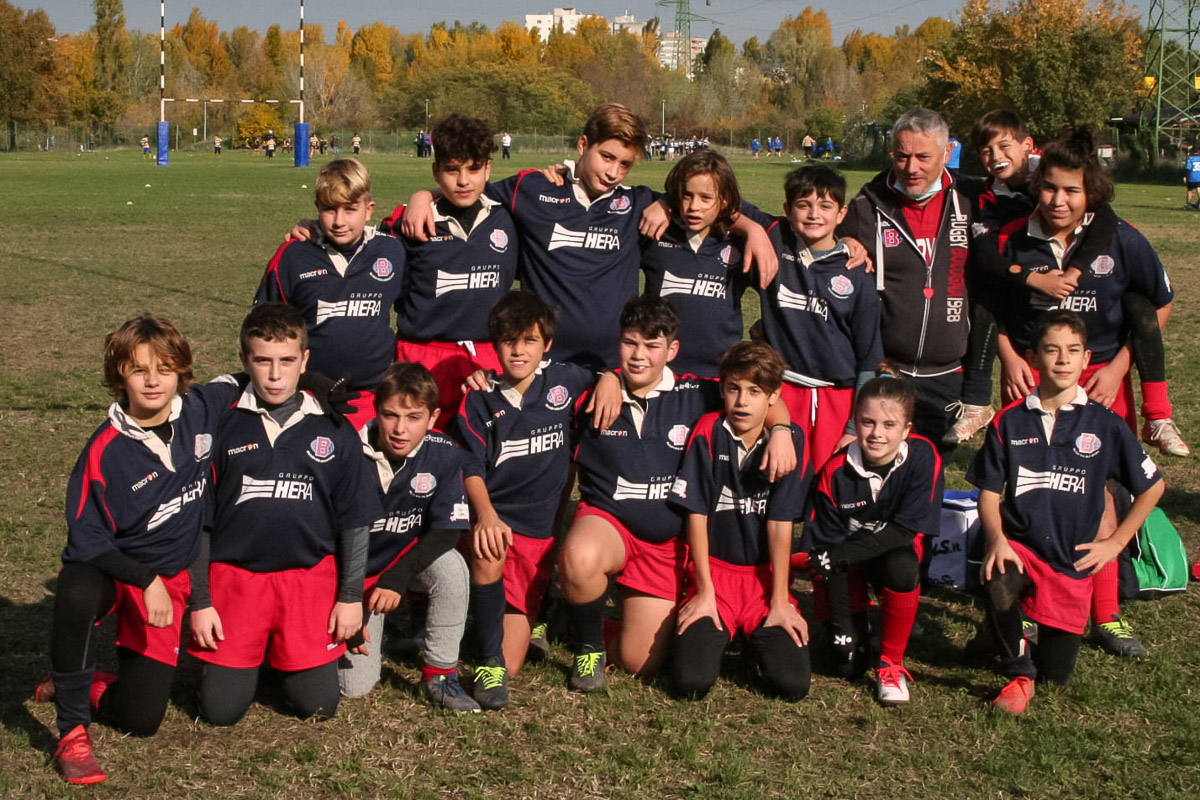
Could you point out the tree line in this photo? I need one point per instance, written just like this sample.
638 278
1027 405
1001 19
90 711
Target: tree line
1055 61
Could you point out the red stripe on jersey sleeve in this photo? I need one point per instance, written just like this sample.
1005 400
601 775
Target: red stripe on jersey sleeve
93 473
1008 230
937 465
273 268
391 222
512 206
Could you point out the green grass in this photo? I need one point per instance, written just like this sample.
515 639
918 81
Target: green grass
91 240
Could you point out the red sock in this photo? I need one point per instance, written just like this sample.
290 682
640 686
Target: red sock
1105 607
429 671
899 612
100 683
1155 402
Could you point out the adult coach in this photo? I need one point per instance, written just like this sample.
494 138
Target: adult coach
915 223
505 146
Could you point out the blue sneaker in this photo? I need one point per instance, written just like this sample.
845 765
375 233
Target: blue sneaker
445 692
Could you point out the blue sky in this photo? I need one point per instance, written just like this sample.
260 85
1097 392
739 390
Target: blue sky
737 19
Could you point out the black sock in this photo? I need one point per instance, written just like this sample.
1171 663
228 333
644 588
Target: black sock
73 699
589 621
487 600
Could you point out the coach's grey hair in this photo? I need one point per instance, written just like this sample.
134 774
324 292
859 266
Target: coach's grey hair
925 121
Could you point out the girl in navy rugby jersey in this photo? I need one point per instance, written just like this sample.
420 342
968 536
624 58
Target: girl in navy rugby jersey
873 504
135 507
697 266
1071 185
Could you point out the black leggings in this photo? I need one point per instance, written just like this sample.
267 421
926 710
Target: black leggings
1145 337
982 345
1053 660
137 701
699 649
226 692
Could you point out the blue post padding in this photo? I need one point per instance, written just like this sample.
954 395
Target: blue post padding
301 141
164 142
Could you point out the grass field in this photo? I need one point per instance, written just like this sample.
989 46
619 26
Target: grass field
94 239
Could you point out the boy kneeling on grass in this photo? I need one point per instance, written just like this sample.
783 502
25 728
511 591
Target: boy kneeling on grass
739 533
1041 475
295 500
412 545
135 508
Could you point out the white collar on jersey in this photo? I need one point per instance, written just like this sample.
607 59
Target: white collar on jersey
854 458
743 450
807 259
1034 403
665 384
126 425
456 229
382 466
577 186
509 392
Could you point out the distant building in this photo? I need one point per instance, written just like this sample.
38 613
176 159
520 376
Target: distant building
569 18
669 47
626 22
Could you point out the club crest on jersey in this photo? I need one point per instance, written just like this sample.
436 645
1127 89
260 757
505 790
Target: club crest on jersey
498 241
1087 444
382 270
320 449
422 484
619 205
677 436
1103 265
730 255
202 445
891 237
558 398
841 286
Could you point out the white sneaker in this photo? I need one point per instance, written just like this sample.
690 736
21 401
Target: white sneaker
891 681
1164 434
970 419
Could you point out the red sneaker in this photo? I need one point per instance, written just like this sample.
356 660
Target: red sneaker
1014 698
100 682
44 691
75 759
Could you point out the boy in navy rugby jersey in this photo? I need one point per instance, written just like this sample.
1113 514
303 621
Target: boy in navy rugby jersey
821 316
1041 475
345 283
623 524
696 264
295 500
412 545
579 239
458 273
135 506
739 533
874 502
517 439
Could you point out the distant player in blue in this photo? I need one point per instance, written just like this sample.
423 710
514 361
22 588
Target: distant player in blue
697 266
755 146
136 502
954 161
518 441
345 283
1041 474
281 580
739 533
1192 180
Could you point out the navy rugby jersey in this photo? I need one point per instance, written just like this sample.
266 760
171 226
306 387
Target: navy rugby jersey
1053 490
283 495
1128 264
850 501
422 493
705 287
999 205
822 317
130 492
733 491
348 315
455 278
581 257
628 469
523 452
